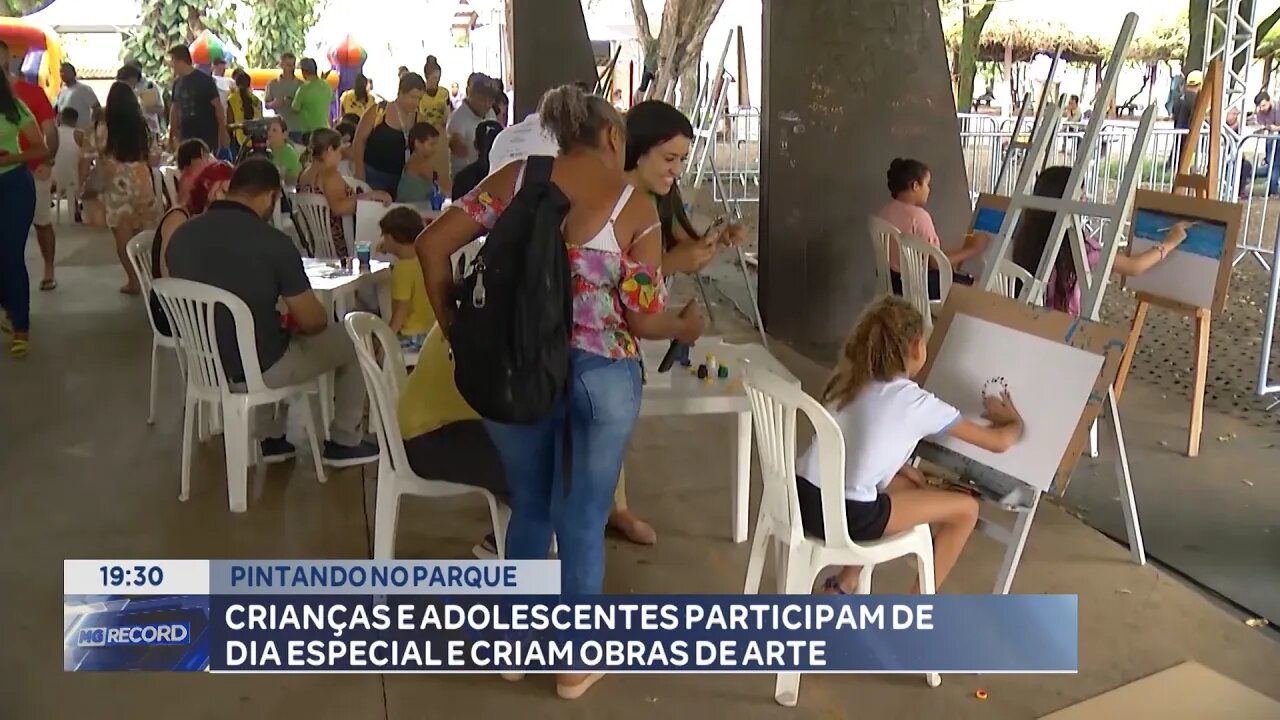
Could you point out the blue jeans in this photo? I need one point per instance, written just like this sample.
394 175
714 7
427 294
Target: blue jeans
17 210
599 411
379 180
1273 168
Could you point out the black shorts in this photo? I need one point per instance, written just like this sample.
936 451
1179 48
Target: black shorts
935 289
866 520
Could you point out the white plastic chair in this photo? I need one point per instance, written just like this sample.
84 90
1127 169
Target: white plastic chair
915 257
1010 276
882 235
139 252
190 307
169 182
799 556
314 211
357 184
66 189
386 381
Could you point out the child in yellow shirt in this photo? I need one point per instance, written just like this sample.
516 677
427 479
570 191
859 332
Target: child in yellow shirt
411 314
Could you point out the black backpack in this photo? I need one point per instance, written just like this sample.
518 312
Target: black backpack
510 337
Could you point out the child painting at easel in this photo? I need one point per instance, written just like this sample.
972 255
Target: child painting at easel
1063 290
883 414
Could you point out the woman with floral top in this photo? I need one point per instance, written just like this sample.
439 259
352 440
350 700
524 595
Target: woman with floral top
615 251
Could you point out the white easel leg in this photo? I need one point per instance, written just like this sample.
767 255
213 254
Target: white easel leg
1127 502
1093 439
1013 555
742 479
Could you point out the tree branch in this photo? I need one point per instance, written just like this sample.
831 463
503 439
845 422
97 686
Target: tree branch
642 21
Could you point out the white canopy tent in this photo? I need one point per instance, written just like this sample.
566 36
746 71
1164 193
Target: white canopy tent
88 16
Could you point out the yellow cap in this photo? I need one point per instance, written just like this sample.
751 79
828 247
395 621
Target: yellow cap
1195 78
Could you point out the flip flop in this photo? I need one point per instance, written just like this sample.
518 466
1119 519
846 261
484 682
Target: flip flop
573 692
833 585
48 284
19 347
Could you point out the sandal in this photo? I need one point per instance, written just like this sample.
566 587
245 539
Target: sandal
635 530
573 692
832 586
48 284
19 347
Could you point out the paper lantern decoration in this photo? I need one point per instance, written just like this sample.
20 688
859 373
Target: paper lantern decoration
207 49
347 57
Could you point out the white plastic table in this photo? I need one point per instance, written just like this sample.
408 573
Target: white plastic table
678 392
337 289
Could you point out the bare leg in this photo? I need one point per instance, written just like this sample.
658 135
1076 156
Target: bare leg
632 527
953 515
122 234
48 247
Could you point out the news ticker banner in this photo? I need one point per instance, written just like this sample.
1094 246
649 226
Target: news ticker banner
506 616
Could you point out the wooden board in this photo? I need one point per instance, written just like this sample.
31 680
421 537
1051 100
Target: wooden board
1057 396
1189 691
1198 272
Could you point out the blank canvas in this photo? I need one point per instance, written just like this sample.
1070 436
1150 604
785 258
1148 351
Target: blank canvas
1050 384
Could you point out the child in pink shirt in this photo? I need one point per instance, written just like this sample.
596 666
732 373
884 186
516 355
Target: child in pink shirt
909 186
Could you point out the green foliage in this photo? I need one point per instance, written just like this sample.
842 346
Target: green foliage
279 26
166 23
17 8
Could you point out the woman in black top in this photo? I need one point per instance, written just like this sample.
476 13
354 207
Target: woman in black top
381 144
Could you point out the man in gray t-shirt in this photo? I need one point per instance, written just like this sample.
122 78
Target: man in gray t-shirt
77 95
280 92
233 247
474 109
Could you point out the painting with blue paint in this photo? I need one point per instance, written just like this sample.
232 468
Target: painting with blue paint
988 220
1204 238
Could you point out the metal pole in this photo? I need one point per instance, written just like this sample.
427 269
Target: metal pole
742 260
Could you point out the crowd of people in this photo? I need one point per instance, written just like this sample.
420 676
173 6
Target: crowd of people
624 231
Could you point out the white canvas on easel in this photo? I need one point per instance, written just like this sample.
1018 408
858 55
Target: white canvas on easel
1067 226
1050 393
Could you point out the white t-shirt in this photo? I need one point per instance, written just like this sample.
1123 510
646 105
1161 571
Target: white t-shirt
464 122
225 87
881 428
521 140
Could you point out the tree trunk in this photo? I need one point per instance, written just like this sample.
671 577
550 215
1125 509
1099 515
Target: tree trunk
1197 21
685 24
967 65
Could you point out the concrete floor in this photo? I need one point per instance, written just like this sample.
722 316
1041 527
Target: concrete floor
82 475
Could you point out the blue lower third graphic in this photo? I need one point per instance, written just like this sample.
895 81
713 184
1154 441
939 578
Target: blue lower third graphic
153 633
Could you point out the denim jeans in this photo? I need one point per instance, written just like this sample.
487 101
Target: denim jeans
17 211
384 181
599 412
1273 170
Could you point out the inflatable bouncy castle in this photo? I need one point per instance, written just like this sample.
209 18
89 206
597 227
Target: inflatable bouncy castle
37 52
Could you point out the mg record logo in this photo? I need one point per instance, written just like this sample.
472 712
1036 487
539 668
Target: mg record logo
176 633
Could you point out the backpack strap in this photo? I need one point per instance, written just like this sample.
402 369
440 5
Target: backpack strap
537 168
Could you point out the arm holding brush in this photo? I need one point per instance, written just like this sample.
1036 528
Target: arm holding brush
1131 265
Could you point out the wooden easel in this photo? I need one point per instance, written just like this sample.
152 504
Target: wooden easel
1194 185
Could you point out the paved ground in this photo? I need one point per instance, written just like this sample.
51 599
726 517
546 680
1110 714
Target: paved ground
81 475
